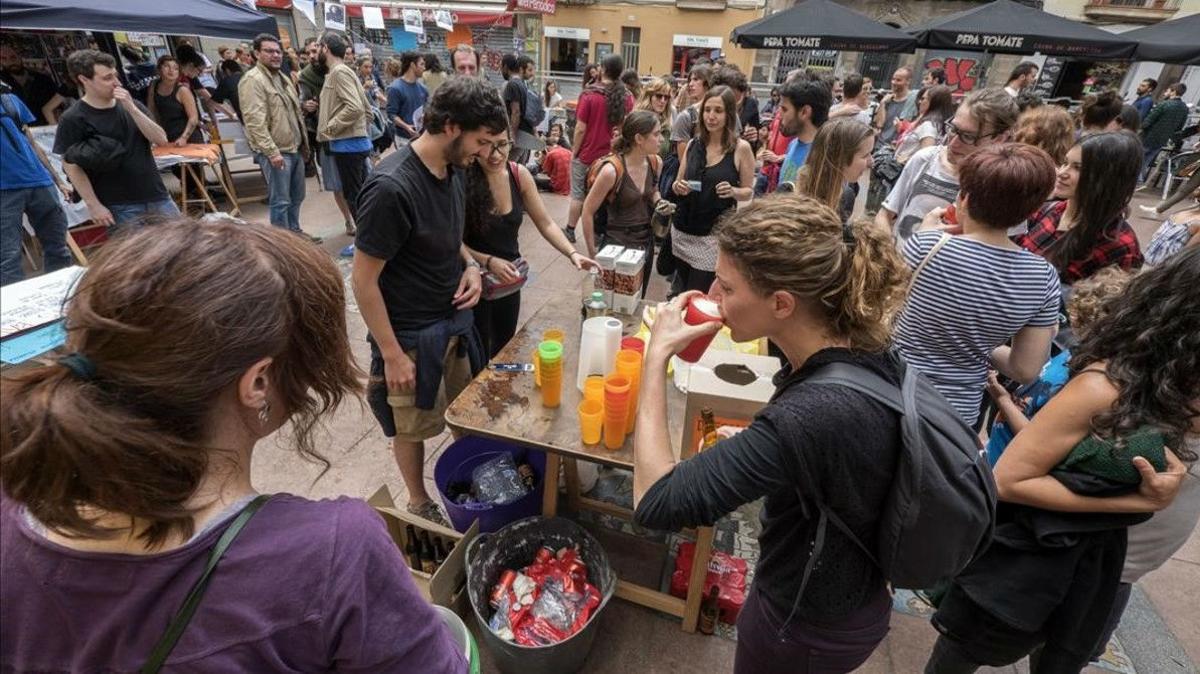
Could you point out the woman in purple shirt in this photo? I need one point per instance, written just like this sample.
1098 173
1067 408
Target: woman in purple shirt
125 461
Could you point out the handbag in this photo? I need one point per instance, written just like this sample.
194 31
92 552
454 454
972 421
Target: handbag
886 167
166 643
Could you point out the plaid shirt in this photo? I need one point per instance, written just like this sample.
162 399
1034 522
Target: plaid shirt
1117 245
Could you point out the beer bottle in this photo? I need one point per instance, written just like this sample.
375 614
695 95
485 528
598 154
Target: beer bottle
708 429
439 553
412 548
428 565
709 611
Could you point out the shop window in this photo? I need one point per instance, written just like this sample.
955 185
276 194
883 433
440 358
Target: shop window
631 40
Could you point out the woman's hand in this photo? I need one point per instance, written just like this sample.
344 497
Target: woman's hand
664 208
724 189
681 188
671 334
505 270
995 389
181 141
1160 488
582 262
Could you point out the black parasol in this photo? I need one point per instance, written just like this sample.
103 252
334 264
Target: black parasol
822 24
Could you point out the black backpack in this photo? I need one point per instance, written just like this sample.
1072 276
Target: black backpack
940 512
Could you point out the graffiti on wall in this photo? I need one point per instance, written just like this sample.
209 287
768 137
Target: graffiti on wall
963 71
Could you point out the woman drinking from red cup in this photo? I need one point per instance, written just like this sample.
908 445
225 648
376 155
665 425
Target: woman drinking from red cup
787 269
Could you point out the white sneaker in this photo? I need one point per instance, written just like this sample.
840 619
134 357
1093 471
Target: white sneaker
1149 210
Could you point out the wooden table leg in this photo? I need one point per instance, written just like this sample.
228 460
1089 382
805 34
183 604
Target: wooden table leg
571 471
550 485
76 251
198 177
691 611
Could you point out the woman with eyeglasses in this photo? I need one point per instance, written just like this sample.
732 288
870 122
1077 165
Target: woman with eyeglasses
1084 229
930 178
656 98
499 193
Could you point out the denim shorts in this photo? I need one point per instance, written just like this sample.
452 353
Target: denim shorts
398 414
579 171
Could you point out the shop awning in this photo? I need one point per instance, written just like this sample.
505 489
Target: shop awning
1007 27
822 24
1175 41
207 18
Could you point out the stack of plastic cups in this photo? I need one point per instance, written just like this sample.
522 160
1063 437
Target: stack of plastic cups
629 365
551 335
593 388
616 402
591 421
550 355
634 344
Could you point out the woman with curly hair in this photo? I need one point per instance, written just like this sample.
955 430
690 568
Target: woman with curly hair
1048 127
1075 480
789 270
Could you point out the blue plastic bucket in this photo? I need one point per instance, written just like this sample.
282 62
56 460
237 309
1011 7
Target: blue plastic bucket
461 458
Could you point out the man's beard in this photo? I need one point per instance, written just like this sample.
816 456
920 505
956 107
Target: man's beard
456 155
322 61
790 128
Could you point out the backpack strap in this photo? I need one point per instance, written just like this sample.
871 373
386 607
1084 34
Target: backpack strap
618 164
179 623
928 256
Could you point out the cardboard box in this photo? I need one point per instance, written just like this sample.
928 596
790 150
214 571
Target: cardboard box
447 586
607 259
627 283
735 386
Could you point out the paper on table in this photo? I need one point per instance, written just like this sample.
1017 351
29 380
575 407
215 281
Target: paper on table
37 301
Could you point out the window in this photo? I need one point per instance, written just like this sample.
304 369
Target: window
631 39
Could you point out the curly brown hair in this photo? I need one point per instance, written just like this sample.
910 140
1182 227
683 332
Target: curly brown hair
853 275
1149 342
1090 298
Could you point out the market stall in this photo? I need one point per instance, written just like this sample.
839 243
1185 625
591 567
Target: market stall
822 24
507 405
1175 41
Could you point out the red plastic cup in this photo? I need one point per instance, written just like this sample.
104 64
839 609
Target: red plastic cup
634 344
700 309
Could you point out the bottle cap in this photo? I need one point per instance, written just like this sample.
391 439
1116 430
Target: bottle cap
598 296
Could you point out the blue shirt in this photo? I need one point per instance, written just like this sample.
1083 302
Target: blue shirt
797 153
19 164
403 99
1054 376
1143 105
350 145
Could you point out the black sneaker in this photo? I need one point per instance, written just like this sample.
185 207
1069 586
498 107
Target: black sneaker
570 232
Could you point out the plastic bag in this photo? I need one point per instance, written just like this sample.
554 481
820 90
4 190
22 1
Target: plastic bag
498 482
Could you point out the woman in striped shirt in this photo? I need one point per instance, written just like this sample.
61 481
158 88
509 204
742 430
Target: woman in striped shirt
971 294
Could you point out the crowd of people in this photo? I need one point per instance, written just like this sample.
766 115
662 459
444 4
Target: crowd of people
994 257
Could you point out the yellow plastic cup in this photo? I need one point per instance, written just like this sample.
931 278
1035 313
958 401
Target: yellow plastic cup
591 420
553 335
537 369
593 389
629 364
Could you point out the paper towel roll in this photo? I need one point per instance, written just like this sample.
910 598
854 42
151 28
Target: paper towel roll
598 346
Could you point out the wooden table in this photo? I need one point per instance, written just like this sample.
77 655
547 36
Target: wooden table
507 406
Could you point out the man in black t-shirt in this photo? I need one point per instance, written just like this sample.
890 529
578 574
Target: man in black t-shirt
122 186
517 71
413 278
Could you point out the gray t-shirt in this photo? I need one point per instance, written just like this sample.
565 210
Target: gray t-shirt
924 185
893 110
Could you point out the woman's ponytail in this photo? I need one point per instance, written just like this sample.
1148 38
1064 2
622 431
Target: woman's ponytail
876 283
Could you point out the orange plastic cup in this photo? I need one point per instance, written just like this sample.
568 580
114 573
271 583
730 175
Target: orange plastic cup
616 401
553 335
593 389
550 354
537 369
591 421
629 364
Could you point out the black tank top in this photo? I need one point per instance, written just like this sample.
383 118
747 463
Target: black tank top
697 213
500 237
171 115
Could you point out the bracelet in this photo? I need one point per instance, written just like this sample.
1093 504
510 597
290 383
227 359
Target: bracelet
487 264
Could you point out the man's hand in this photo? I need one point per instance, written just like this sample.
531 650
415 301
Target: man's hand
66 191
309 106
469 289
100 214
888 98
750 134
180 142
276 162
123 97
400 373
